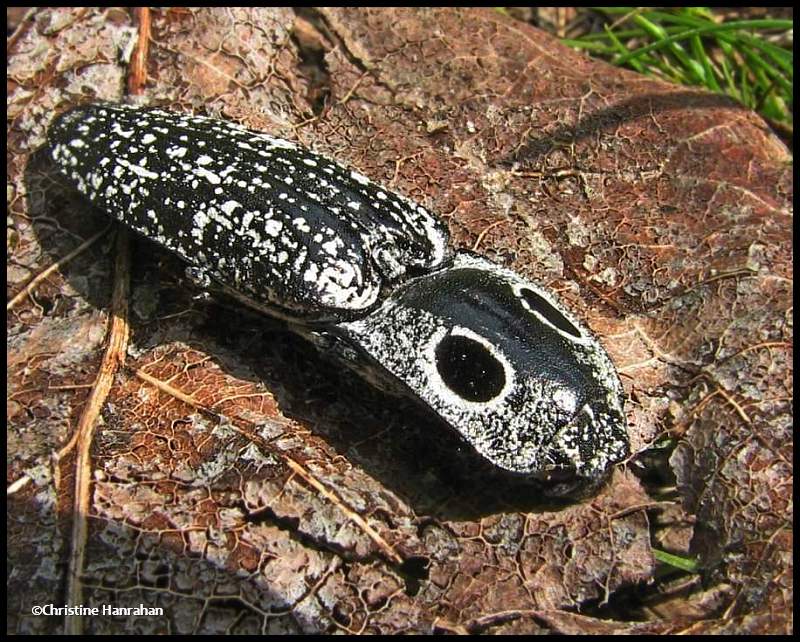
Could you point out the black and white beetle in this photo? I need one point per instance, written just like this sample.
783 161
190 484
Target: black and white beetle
362 271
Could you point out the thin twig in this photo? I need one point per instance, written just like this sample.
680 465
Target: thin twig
55 266
113 358
297 468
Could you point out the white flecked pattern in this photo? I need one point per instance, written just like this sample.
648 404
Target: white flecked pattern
265 216
559 408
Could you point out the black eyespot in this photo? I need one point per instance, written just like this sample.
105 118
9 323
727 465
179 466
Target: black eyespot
544 308
469 369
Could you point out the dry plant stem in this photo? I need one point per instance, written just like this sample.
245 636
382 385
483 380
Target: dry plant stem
113 358
138 69
480 624
20 29
484 232
298 469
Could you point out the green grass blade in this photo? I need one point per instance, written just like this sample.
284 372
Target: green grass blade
683 563
672 45
728 26
689 46
765 72
620 48
700 54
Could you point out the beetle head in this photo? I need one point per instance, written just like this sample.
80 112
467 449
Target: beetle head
504 364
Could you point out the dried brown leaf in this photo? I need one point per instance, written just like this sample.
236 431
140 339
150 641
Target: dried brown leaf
246 486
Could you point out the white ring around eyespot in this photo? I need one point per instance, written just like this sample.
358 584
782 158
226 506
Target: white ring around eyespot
442 390
517 288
